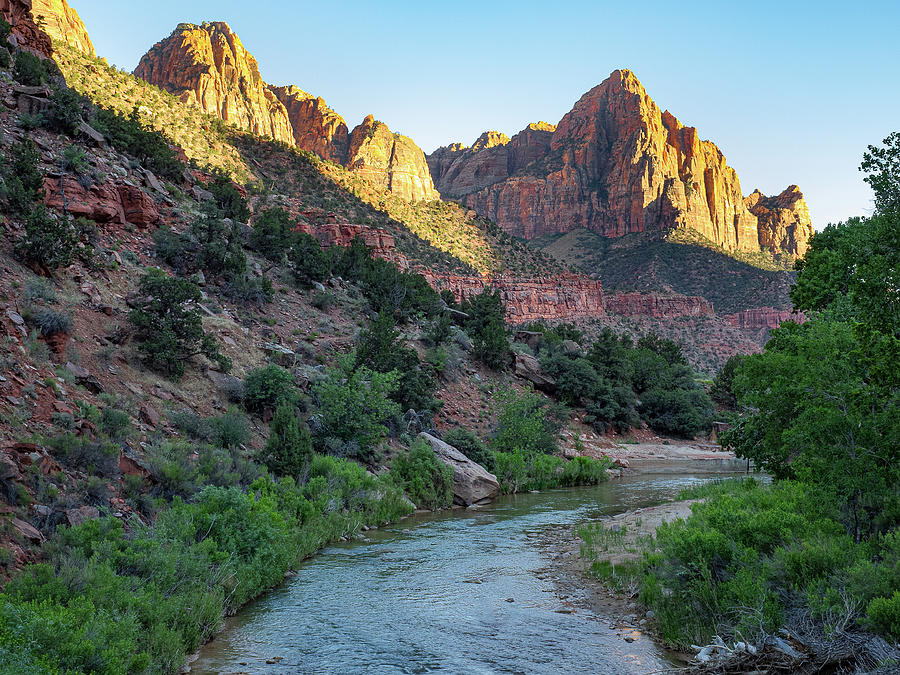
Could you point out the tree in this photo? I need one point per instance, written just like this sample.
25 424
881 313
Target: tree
168 326
882 166
229 200
49 242
309 262
487 327
23 182
526 424
426 480
268 388
272 234
288 451
354 406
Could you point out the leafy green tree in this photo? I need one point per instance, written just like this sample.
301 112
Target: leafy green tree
609 355
525 423
29 69
667 349
289 450
882 166
487 327
381 349
168 326
229 200
269 388
472 447
722 390
23 182
354 405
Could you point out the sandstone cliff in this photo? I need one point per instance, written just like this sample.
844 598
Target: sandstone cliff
208 66
62 23
616 164
784 222
316 127
25 33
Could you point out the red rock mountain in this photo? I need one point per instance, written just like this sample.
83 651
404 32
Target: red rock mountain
62 23
616 164
25 33
208 66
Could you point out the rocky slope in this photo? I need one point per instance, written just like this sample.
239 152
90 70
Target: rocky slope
616 164
207 65
62 23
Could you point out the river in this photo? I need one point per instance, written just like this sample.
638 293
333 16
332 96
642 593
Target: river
450 593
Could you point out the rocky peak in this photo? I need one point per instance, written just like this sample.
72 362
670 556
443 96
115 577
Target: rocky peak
62 23
615 164
208 66
317 128
390 160
784 222
490 139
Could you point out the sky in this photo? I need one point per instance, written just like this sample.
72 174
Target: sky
792 92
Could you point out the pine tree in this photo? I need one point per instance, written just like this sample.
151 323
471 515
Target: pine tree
288 451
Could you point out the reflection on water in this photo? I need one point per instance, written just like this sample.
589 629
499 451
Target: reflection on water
431 594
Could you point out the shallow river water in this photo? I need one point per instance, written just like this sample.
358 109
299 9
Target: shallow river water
432 594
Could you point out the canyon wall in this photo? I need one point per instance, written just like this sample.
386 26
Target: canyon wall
208 66
25 33
62 23
615 164
657 306
763 317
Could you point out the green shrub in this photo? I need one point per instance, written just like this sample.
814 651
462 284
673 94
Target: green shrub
48 242
272 234
128 135
23 182
308 261
168 326
486 326
87 454
50 322
267 388
115 423
472 447
229 200
427 481
65 111
525 423
354 406
884 615
29 69
288 451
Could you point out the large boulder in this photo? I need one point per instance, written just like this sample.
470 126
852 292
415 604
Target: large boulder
472 483
529 368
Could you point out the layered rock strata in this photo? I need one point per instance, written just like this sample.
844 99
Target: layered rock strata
763 317
616 164
25 33
657 306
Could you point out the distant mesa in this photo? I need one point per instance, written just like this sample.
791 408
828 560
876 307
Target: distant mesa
208 66
616 164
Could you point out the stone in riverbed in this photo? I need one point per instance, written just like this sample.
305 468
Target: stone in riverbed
472 483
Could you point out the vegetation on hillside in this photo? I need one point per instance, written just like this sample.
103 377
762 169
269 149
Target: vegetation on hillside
819 410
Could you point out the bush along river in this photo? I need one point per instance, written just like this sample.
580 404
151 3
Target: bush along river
460 592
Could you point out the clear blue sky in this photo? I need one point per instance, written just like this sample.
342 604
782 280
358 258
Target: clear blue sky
791 91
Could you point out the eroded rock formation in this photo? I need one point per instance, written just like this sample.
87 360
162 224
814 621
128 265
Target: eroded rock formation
25 33
208 66
616 164
657 306
784 222
62 23
763 317
567 296
104 203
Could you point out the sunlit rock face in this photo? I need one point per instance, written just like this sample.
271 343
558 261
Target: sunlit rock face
62 23
25 32
615 164
207 65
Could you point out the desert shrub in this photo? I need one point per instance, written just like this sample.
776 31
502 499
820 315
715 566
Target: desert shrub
88 454
248 289
228 198
322 301
288 451
525 423
883 614
51 322
128 134
23 182
209 245
115 423
29 69
472 447
228 430
427 481
308 261
577 383
272 234
267 388
49 242
168 326
354 406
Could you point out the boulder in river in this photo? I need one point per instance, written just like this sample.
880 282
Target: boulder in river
472 483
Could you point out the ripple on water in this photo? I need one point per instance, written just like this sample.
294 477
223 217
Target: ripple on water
431 595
